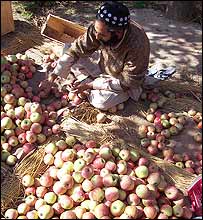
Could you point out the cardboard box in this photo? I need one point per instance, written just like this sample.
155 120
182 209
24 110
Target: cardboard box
61 30
7 22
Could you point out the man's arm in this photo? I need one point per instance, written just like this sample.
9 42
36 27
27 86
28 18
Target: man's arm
83 46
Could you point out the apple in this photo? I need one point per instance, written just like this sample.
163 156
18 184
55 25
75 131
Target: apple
26 124
180 164
9 99
141 171
41 138
150 212
171 192
133 199
39 202
61 144
97 194
59 188
46 180
28 180
33 214
105 153
98 163
58 210
101 210
117 208
48 159
89 156
68 215
56 129
30 200
115 151
35 117
87 185
143 161
13 141
51 148
70 141
65 201
67 180
4 155
150 117
152 150
187 212
68 155
28 147
127 183
162 185
50 198
167 210
78 178
78 196
97 180
30 191
142 191
124 154
36 128
19 112
79 164
23 208
131 211
88 215
31 137
111 166
154 178
110 180
87 172
122 167
145 142
79 211
111 194
11 160
178 210
11 214
45 212
91 144
122 195
6 123
22 138
41 191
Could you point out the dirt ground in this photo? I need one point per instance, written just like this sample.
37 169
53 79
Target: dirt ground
172 43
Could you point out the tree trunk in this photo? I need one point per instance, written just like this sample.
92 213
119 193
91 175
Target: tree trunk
180 10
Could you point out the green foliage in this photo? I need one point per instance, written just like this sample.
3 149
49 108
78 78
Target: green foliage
139 4
28 8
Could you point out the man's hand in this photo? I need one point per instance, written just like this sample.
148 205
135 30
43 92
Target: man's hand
80 87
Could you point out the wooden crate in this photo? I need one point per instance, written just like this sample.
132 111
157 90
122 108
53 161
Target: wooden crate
61 30
7 22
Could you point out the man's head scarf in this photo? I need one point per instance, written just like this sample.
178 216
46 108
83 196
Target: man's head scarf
114 14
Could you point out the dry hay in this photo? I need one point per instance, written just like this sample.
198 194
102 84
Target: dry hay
85 113
32 163
22 42
182 104
84 132
11 188
179 86
100 133
174 175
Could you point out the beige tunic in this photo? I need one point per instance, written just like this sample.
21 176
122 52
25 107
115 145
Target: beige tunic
128 61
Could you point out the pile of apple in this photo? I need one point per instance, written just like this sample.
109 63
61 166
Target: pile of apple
25 123
156 136
51 60
88 181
